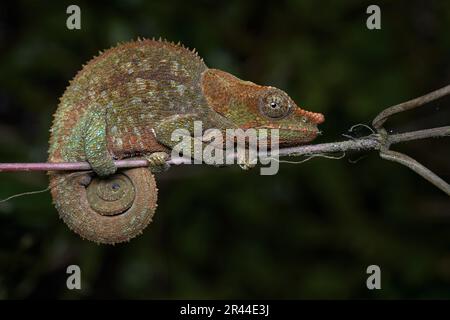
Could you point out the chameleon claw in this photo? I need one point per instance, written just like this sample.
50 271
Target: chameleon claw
103 167
85 180
157 161
245 164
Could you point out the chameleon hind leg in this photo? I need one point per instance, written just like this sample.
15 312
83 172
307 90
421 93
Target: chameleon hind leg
95 143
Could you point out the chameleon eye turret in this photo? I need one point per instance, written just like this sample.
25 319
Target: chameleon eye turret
126 103
275 105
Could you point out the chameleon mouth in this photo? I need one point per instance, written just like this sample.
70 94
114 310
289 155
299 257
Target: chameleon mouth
306 131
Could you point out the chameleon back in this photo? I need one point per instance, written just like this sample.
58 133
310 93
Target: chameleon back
138 83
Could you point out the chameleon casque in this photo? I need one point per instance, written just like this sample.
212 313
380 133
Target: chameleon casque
125 103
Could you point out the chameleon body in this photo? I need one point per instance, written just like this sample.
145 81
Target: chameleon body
125 103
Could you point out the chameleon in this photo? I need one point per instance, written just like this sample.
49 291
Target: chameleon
125 103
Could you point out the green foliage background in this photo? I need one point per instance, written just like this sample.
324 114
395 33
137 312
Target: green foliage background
309 231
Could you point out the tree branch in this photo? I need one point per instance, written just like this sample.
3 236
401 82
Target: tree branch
379 140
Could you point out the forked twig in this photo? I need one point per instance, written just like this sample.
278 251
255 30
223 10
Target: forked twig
401 158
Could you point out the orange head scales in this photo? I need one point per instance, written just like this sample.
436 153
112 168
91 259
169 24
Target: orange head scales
248 105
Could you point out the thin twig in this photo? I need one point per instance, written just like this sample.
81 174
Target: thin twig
420 134
416 167
368 143
408 105
66 166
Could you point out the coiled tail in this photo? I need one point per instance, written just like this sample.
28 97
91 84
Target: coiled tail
105 210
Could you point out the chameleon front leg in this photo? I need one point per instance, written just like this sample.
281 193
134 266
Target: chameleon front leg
164 135
95 143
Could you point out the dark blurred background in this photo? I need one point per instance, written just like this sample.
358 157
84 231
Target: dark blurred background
308 232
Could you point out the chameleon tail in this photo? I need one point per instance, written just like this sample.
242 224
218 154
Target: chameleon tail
106 210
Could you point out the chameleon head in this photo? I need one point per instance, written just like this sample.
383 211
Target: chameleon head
248 105
276 110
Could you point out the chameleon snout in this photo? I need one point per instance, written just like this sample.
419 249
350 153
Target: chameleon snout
314 117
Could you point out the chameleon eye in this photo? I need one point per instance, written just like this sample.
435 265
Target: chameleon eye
275 105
